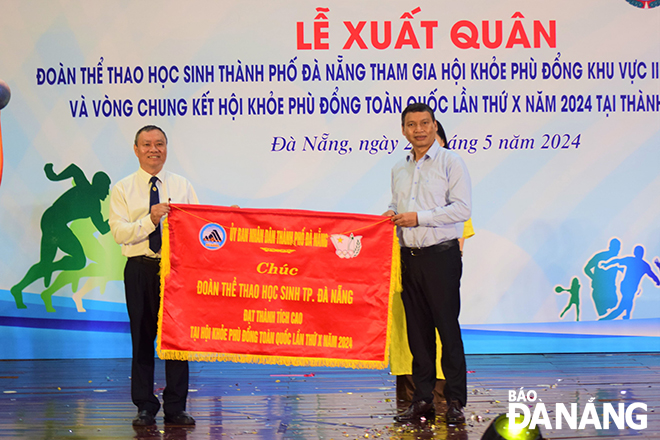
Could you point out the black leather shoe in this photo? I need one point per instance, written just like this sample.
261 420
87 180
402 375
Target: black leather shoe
455 413
180 418
144 418
416 411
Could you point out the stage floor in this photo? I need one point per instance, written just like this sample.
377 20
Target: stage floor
90 399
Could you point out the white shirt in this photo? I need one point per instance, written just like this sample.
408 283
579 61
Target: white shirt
130 222
438 188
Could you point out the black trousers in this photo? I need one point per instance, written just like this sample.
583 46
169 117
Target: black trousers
142 284
431 299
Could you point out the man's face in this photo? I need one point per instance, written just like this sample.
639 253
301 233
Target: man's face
419 129
151 151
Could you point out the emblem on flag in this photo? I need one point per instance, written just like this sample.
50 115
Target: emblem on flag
346 246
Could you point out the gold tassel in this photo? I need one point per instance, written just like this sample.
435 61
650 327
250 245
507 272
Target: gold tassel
395 287
164 272
269 360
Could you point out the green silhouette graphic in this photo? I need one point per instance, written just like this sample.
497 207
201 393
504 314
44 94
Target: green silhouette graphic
603 281
81 201
107 263
574 290
635 267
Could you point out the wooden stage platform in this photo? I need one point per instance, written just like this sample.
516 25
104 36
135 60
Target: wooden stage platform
90 399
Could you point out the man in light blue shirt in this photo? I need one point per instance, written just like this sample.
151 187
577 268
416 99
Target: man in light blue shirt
431 198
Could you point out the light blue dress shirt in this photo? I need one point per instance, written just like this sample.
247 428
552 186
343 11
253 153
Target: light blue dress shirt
438 188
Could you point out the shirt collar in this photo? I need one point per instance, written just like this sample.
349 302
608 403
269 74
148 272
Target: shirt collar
146 177
432 152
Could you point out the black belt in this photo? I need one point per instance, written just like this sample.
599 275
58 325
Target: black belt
436 248
145 259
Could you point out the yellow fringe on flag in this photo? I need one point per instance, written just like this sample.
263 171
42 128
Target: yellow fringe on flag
165 267
269 360
395 288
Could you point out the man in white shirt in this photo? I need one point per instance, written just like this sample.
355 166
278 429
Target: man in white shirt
138 204
431 198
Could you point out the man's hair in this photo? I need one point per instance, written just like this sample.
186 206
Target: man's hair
417 107
148 128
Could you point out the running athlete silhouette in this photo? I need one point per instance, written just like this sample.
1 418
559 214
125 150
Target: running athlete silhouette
81 201
105 263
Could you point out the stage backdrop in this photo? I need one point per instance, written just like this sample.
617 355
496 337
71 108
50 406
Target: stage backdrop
554 106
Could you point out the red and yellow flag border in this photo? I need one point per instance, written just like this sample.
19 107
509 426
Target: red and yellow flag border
395 286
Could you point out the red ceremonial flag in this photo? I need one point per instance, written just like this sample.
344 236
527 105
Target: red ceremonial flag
277 286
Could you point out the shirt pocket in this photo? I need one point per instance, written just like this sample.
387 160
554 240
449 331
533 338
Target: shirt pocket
434 189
